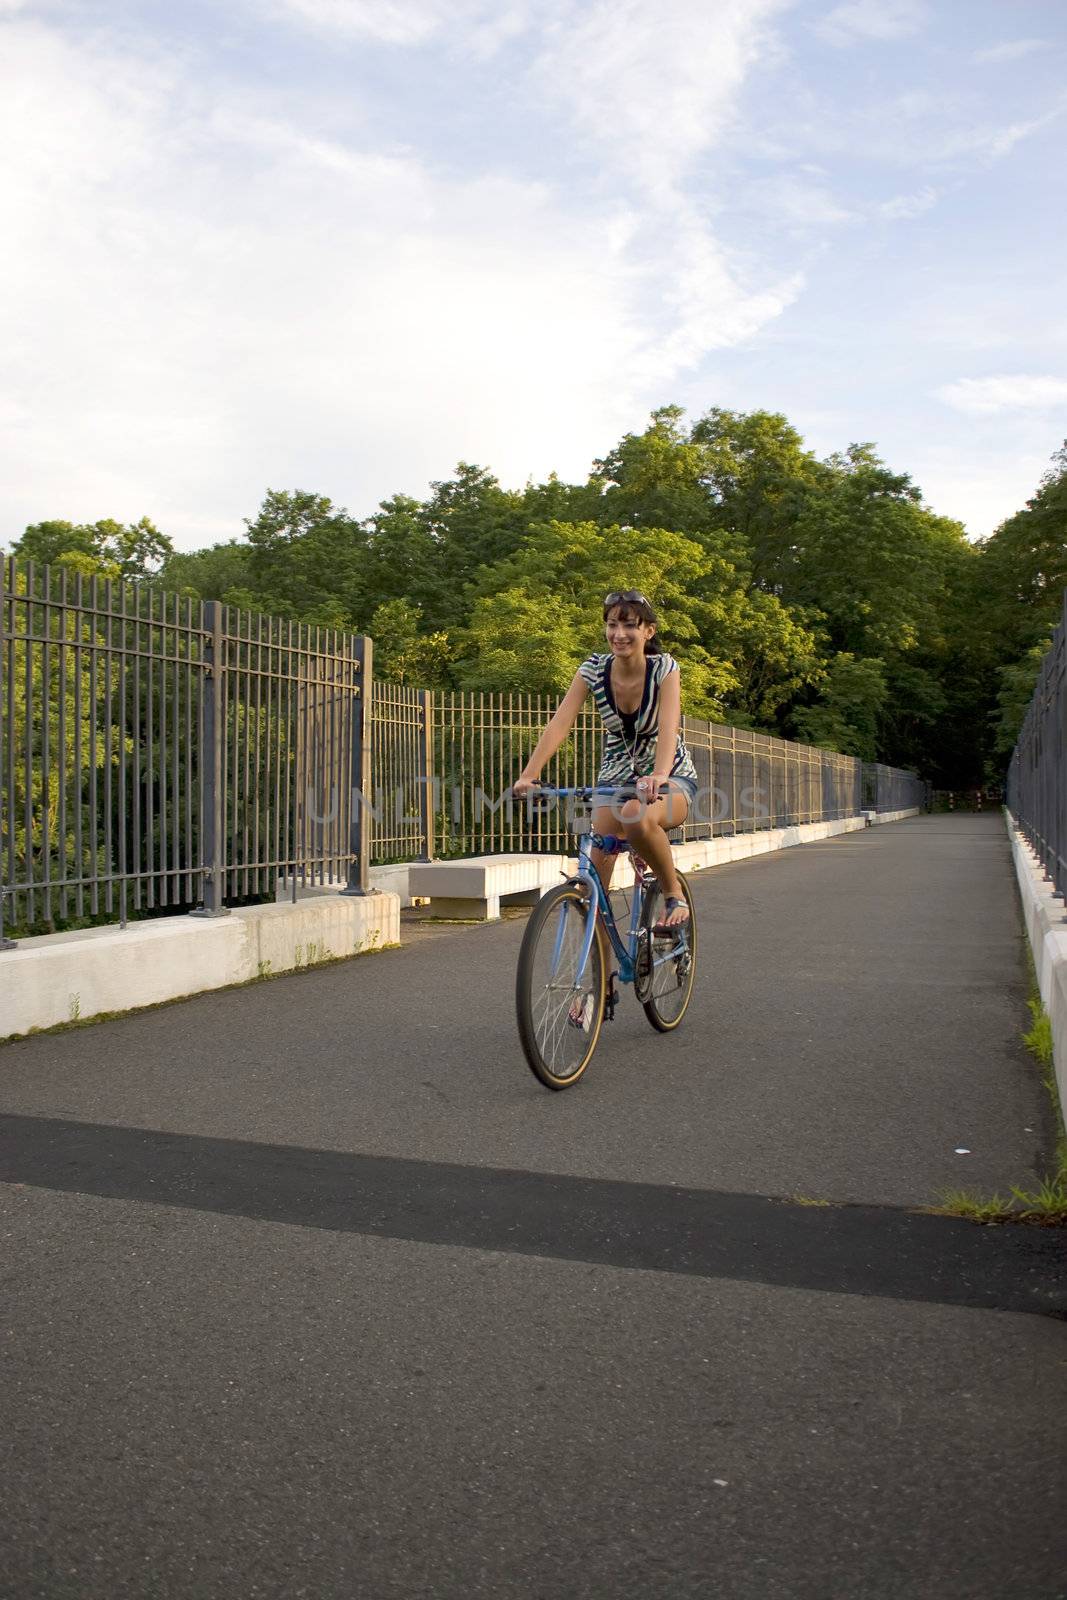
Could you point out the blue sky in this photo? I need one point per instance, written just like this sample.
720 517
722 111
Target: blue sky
342 244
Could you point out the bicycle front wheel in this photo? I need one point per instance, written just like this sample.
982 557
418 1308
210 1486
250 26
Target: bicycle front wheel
560 1007
668 986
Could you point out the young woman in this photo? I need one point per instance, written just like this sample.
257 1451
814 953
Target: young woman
637 691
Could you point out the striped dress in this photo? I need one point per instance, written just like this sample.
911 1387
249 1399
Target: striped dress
630 738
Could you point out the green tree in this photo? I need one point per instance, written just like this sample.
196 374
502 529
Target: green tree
757 475
550 593
1017 682
556 501
220 572
472 523
537 615
655 479
846 715
403 654
308 560
1024 568
1008 602
133 551
403 557
869 557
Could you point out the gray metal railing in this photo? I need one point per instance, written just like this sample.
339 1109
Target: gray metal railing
893 789
1037 781
159 753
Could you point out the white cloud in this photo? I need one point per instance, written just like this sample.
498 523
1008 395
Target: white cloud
872 19
904 206
475 27
920 128
1021 391
793 202
1010 50
199 300
993 141
400 22
652 88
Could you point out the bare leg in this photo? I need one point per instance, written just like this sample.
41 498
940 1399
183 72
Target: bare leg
604 822
645 828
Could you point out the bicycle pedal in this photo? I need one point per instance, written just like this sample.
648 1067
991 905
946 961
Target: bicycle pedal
612 999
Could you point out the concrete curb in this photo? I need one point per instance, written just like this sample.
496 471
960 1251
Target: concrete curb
1046 927
65 977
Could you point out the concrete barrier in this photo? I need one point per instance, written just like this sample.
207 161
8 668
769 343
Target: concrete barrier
63 977
475 886
392 879
1046 927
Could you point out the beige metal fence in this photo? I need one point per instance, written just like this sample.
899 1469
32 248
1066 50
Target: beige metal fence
444 762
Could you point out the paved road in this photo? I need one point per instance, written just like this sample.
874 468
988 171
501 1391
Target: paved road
310 1289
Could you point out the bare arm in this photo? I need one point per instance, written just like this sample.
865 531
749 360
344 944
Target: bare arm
557 730
670 720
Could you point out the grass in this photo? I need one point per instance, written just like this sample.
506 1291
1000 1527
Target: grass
976 1207
1045 1205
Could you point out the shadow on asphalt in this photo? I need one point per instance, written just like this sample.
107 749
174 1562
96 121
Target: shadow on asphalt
846 1249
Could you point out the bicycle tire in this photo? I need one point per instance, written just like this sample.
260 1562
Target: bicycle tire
671 985
545 989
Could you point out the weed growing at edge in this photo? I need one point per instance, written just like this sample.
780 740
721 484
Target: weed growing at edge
1047 1204
977 1207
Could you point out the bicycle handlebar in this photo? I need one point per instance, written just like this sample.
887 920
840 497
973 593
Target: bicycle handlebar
622 791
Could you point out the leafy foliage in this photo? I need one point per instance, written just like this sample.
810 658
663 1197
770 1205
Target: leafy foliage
819 599
107 549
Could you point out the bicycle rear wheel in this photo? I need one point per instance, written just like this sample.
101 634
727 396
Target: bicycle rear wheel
668 988
552 995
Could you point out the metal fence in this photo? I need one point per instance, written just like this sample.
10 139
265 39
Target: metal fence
160 753
1037 782
444 762
892 789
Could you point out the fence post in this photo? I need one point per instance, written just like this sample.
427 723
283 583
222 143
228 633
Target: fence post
8 733
426 773
360 766
212 777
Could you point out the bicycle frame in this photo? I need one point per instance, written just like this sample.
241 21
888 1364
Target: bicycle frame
625 954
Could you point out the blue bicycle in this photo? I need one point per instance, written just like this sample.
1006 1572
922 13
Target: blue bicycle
565 986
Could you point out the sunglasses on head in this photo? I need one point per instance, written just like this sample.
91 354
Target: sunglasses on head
620 597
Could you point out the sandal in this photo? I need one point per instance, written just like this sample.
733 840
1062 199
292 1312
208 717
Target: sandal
580 1011
667 930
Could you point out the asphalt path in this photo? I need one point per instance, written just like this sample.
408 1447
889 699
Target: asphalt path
311 1289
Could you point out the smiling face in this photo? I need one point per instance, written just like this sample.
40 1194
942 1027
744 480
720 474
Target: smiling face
627 633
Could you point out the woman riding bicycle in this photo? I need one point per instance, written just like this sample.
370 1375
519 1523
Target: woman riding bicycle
636 687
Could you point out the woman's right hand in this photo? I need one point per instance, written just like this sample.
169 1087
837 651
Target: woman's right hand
525 784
